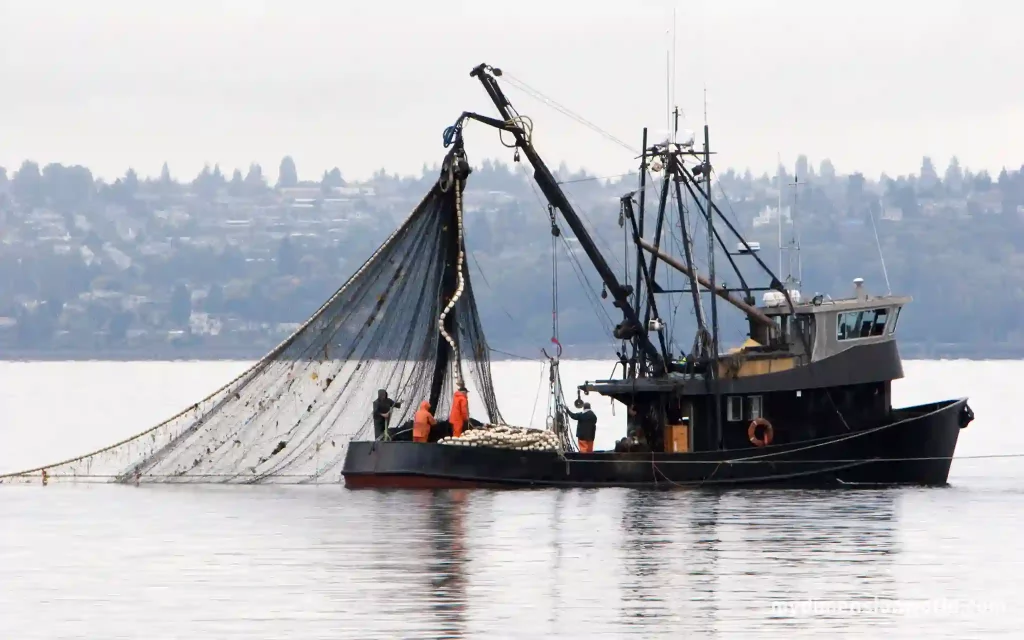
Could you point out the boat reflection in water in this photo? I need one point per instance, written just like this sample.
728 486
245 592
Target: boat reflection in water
447 562
635 563
727 562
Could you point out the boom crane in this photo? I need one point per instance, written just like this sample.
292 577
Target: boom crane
630 328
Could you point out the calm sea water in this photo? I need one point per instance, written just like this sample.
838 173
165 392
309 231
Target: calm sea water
323 562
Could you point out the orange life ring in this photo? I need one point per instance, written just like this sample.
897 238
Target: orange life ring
769 432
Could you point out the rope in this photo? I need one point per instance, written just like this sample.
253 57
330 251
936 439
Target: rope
758 460
537 95
536 398
514 355
827 441
459 287
453 132
585 285
523 122
592 178
586 458
595 231
772 457
774 477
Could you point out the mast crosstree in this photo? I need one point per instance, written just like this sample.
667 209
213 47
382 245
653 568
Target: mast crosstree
687 180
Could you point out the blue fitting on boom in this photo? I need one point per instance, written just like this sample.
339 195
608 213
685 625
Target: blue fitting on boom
449 135
452 133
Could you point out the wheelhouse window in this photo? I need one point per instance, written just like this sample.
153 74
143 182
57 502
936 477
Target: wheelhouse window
881 316
754 408
802 328
851 325
734 408
780 333
895 319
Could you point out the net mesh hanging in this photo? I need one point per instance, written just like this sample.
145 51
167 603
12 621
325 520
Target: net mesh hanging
406 321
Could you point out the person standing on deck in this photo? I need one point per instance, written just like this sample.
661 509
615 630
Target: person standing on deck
422 422
632 421
459 415
382 407
586 428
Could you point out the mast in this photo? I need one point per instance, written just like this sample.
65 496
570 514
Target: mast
749 310
796 233
698 310
640 260
659 224
713 369
630 328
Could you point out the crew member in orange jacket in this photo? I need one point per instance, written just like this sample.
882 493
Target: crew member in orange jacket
422 422
459 415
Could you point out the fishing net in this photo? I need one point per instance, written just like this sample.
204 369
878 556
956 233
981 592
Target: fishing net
406 322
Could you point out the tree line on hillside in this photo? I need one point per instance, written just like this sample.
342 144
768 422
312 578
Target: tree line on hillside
120 266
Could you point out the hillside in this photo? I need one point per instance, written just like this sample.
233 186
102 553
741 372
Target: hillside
224 267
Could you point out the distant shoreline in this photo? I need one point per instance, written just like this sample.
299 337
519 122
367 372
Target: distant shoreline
909 351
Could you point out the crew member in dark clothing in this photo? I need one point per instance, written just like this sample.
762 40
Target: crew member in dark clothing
382 407
586 428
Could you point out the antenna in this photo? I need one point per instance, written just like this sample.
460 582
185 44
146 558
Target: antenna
880 256
705 104
778 179
795 244
673 78
668 87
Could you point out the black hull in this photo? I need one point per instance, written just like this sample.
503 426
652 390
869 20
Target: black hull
916 448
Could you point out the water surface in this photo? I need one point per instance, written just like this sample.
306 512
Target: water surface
324 562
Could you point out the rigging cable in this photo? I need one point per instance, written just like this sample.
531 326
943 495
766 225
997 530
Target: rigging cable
593 178
20 477
536 398
556 417
597 231
514 355
555 233
523 122
585 284
686 241
525 88
880 256
480 270
728 202
518 325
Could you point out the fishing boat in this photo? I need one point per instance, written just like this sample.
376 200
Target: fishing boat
805 400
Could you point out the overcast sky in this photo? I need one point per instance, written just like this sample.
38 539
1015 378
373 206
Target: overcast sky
362 85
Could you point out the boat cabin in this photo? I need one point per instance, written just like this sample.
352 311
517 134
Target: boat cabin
825 326
824 367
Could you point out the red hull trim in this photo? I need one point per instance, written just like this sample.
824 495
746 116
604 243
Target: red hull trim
385 481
